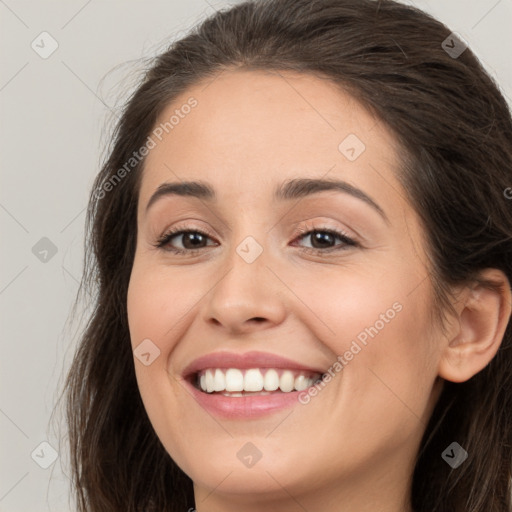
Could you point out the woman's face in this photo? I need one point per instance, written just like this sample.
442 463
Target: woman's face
263 280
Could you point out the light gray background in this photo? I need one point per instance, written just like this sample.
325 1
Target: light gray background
54 116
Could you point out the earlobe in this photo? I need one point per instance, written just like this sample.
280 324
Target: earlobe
482 321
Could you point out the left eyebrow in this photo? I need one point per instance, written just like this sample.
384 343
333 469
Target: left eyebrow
302 187
288 190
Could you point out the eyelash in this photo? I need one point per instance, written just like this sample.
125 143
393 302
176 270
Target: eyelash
302 233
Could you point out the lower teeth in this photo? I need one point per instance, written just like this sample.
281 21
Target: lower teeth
244 393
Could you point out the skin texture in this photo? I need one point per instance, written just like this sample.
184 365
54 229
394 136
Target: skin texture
353 446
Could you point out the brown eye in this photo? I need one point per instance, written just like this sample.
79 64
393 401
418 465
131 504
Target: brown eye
191 240
322 240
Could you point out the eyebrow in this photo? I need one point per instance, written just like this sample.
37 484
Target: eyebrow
291 189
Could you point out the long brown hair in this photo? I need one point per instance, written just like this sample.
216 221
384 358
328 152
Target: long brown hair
454 131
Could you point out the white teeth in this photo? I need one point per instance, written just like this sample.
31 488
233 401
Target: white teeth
301 383
210 383
271 381
287 381
219 381
226 393
235 382
253 380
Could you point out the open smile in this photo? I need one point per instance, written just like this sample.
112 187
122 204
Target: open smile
247 385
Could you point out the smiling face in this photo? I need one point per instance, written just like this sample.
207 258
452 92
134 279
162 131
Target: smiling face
260 274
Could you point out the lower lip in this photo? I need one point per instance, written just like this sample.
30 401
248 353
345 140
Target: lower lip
243 407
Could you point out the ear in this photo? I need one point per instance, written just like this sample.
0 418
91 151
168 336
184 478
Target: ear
476 335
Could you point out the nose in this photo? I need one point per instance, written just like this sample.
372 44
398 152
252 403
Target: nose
247 297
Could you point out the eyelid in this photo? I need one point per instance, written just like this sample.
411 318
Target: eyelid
300 233
180 230
186 226
308 225
323 226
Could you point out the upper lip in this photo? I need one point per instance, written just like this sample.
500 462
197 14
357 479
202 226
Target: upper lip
245 360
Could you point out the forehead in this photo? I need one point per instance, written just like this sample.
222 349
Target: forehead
250 130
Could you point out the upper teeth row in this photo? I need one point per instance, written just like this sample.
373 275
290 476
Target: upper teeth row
233 379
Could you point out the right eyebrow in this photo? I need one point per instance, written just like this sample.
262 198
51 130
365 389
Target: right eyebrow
185 188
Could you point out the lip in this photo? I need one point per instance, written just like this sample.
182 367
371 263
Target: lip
244 407
246 361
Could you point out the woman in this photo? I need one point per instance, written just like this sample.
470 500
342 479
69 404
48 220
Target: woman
301 240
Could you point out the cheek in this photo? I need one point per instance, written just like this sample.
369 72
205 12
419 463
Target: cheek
153 311
351 304
379 324
383 334
156 304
